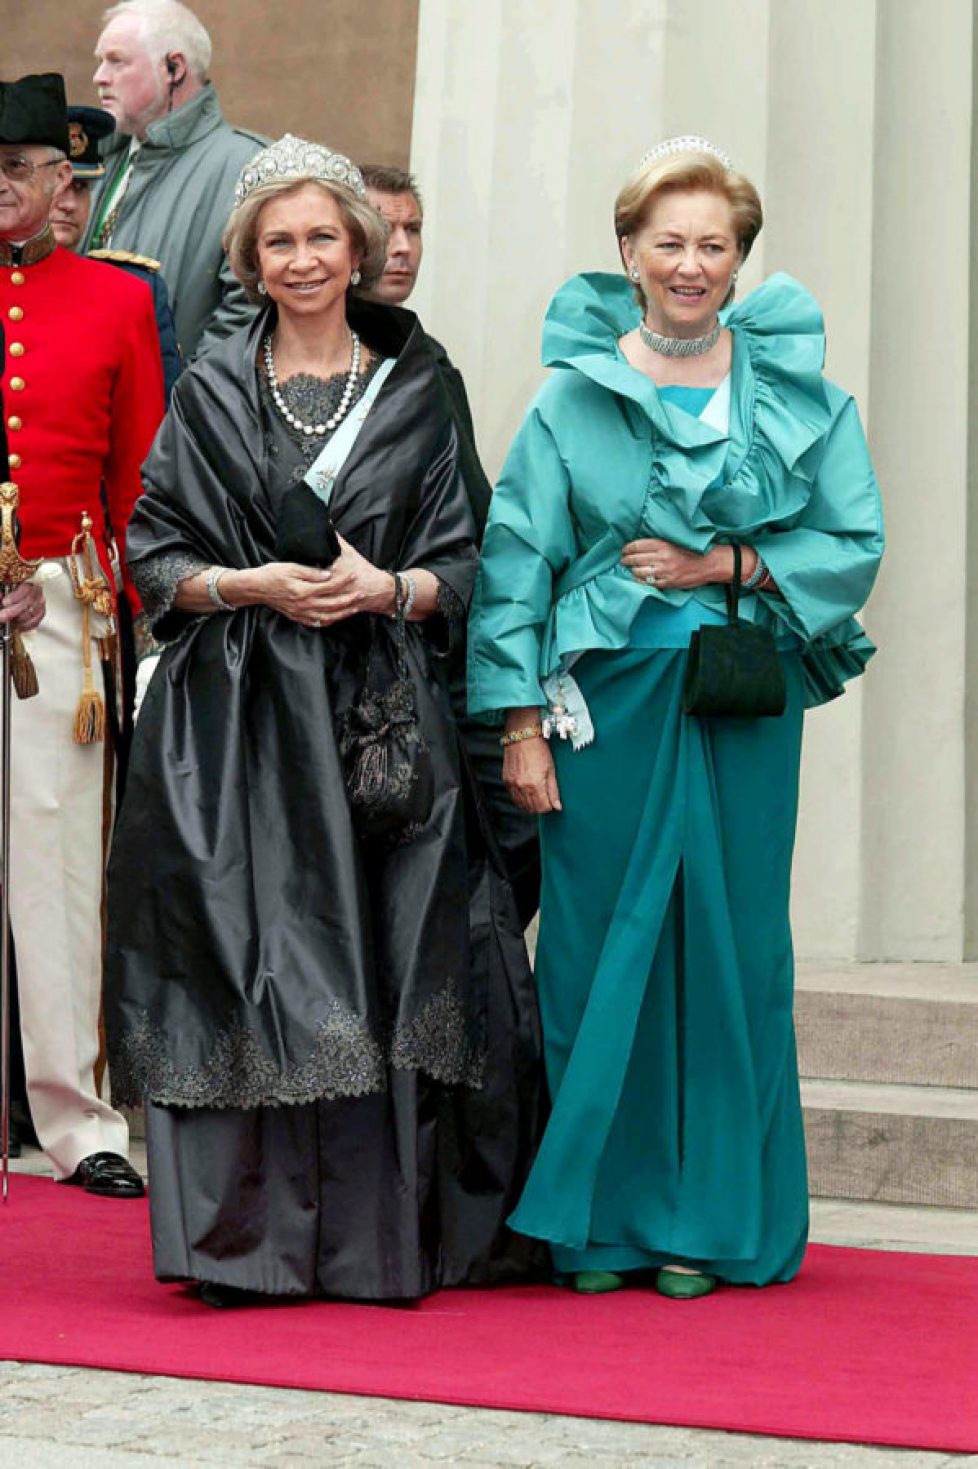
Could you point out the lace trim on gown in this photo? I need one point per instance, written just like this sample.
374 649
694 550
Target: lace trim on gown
157 577
347 1060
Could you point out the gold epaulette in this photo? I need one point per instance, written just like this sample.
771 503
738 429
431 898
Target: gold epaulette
125 257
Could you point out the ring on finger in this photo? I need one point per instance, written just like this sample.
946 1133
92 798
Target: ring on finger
650 576
316 622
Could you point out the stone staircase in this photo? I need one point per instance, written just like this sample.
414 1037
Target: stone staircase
888 1055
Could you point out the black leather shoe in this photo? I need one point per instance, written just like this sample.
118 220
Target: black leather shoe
226 1297
108 1174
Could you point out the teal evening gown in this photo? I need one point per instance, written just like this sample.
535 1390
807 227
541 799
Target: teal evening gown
664 959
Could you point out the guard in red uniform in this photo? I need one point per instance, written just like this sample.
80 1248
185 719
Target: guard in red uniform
83 396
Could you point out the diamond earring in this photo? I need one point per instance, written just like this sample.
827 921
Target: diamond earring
354 278
262 288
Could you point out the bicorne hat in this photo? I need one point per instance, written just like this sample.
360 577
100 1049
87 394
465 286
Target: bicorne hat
34 110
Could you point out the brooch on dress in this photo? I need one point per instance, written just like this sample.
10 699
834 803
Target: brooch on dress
567 714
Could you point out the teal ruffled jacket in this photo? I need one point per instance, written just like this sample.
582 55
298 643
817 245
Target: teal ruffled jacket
601 459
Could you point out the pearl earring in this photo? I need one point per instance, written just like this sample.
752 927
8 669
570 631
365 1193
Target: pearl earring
734 277
262 288
354 278
633 273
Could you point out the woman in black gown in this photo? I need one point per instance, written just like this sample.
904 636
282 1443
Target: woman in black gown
335 1037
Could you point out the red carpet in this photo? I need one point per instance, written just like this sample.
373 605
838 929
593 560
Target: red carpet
877 1348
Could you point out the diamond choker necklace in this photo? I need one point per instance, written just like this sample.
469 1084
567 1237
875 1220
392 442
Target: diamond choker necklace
679 346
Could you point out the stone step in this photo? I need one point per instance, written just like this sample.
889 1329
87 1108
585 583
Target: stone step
892 1144
905 1024
915 1228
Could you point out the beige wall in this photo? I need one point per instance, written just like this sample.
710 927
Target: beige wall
313 67
855 118
527 114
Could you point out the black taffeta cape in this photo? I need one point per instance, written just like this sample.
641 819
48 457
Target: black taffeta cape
258 954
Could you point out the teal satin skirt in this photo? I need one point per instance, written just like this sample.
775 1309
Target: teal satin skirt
665 975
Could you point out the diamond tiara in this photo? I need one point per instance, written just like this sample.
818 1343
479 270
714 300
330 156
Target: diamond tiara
295 158
688 143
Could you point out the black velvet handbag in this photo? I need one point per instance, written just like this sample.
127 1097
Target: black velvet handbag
390 782
304 531
734 672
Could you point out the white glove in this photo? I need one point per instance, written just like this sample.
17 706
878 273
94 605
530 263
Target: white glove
145 669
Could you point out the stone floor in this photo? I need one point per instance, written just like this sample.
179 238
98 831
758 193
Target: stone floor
67 1418
73 1418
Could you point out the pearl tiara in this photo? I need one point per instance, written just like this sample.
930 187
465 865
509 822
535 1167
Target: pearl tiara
688 143
294 158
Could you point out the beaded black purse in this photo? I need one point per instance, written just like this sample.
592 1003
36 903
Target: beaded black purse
734 672
387 769
390 781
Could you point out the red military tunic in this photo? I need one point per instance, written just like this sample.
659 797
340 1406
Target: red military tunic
82 394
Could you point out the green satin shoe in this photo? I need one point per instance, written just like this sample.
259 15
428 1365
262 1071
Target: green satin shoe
596 1282
680 1286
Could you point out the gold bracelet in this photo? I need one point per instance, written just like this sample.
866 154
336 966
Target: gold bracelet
516 736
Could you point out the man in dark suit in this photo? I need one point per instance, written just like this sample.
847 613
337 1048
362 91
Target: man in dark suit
395 195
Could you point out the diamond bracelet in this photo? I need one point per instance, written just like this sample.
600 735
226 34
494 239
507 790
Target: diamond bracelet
214 591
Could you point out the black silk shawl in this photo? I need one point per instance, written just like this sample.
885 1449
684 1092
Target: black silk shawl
477 486
258 953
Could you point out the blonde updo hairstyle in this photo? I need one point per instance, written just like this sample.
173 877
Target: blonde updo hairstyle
685 172
368 231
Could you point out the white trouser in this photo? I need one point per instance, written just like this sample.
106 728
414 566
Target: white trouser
57 867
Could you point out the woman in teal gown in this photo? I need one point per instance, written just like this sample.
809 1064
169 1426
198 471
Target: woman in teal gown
670 429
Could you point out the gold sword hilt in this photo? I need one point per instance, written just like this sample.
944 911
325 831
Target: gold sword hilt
14 569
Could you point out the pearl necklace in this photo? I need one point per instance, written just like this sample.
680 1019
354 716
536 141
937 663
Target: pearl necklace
311 429
678 346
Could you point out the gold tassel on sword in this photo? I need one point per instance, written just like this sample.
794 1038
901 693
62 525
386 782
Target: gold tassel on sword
95 595
17 670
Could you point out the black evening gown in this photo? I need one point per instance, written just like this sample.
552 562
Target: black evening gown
337 1043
